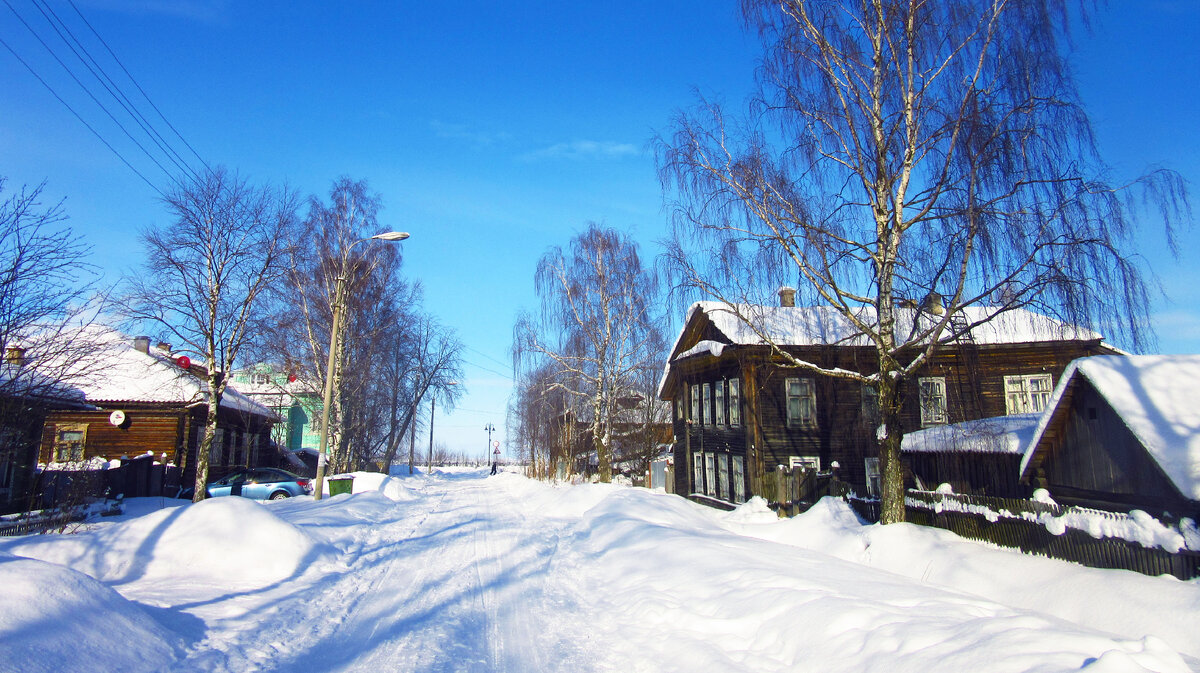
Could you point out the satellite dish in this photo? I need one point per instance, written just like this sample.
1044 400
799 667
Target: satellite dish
184 361
117 418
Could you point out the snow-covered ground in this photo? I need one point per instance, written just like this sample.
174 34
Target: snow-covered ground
465 572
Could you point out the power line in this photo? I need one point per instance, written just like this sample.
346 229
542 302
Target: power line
85 88
113 89
160 144
81 119
479 352
488 369
136 85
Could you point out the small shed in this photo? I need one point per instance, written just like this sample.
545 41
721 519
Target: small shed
1122 433
980 457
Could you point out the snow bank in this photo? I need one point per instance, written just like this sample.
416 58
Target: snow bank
52 613
389 486
734 603
1125 603
223 541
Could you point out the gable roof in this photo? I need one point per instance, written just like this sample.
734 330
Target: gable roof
824 325
800 326
1156 396
121 373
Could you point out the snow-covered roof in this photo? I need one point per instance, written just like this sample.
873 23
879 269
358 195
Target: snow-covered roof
26 382
1000 434
1158 399
823 325
121 373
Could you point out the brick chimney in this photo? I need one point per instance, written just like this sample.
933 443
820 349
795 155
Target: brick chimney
15 355
787 296
164 347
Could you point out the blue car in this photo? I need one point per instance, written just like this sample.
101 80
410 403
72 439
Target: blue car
260 483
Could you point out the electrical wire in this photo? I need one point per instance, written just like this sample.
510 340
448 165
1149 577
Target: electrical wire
160 144
81 119
113 89
138 86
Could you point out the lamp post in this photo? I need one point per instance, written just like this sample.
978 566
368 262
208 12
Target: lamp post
490 429
338 307
432 401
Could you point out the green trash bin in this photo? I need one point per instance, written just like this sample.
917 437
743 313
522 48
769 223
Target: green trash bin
341 483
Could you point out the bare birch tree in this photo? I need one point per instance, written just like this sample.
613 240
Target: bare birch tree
903 149
598 325
205 274
390 353
46 301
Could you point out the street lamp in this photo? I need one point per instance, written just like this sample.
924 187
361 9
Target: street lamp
432 400
338 307
490 429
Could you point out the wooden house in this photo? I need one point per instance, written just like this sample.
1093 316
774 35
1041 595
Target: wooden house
296 402
738 412
145 401
1122 433
26 397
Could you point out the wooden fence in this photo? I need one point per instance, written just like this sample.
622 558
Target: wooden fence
138 478
1000 521
793 491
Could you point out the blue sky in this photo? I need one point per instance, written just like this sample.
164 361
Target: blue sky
494 130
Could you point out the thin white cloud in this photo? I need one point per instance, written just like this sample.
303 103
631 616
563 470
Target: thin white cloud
452 131
576 150
1178 324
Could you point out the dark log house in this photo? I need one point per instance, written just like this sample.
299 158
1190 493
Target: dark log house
738 412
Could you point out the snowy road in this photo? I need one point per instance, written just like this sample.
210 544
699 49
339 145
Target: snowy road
463 572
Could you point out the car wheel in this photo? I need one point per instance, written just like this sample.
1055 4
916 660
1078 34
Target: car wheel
280 495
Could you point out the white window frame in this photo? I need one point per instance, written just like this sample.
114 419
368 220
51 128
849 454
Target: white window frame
869 410
1020 397
874 480
806 462
933 400
706 405
710 475
723 474
719 403
805 390
739 479
735 402
698 471
695 402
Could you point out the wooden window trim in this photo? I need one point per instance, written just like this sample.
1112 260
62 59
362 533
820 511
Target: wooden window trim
807 391
929 414
735 402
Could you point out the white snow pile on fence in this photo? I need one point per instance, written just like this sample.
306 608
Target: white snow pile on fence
1136 526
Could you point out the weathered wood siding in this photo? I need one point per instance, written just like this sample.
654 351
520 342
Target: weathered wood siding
174 431
991 474
156 431
1097 461
974 377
